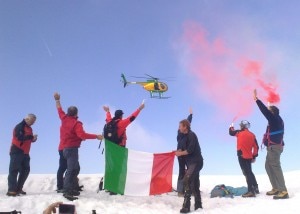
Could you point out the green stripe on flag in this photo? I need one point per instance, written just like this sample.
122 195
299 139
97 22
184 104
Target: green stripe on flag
115 167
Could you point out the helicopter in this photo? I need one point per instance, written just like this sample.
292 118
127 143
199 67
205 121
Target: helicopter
152 84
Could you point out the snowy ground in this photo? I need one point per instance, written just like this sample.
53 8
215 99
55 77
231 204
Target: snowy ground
40 190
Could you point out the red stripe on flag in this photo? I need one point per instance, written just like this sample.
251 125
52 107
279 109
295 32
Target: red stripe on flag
162 172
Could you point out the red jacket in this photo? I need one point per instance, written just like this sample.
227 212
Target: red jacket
23 137
123 124
247 146
71 131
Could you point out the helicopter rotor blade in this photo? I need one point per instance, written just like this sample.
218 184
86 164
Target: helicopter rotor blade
169 79
139 77
149 77
152 77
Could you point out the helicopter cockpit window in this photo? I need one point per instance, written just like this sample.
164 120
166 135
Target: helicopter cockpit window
162 86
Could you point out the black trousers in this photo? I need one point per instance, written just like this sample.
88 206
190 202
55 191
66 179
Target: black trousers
61 170
19 169
192 181
73 168
246 166
180 185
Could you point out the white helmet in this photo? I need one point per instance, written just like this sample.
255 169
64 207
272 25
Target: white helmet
245 124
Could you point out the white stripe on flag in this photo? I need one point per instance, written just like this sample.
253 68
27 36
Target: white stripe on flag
139 173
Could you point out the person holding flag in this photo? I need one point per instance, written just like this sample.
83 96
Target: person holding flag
181 162
120 124
71 136
194 161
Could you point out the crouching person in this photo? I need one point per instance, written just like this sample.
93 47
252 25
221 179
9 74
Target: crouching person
193 158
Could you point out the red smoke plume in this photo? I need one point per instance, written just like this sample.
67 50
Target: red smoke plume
222 75
254 69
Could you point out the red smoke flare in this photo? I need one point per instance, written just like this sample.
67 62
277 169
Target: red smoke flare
223 76
253 69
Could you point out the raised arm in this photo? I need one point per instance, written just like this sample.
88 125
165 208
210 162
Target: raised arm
190 117
233 132
108 114
263 108
124 123
61 113
57 100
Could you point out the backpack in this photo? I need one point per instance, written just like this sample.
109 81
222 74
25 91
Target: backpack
221 191
110 132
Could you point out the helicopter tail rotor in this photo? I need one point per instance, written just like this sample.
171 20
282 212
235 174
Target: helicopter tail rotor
124 80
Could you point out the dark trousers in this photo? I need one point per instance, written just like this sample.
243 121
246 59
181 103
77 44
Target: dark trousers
180 186
71 182
191 182
61 170
19 169
246 166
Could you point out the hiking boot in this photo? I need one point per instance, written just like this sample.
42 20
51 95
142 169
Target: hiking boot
21 192
198 205
12 194
185 210
60 190
75 193
249 195
186 207
281 195
70 197
273 192
80 188
255 189
112 193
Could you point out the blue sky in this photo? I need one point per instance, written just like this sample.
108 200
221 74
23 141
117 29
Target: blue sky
80 48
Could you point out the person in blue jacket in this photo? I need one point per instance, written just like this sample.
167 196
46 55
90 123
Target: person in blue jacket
273 140
181 139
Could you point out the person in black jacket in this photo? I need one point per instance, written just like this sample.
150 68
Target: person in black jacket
191 152
181 139
273 140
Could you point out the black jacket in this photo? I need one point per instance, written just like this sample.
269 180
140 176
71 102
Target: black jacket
275 123
191 145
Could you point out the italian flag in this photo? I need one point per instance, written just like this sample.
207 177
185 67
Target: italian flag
135 173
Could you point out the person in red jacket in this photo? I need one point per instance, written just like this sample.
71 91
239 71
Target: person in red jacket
71 136
122 124
19 166
247 151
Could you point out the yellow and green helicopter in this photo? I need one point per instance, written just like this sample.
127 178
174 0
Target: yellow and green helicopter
152 84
